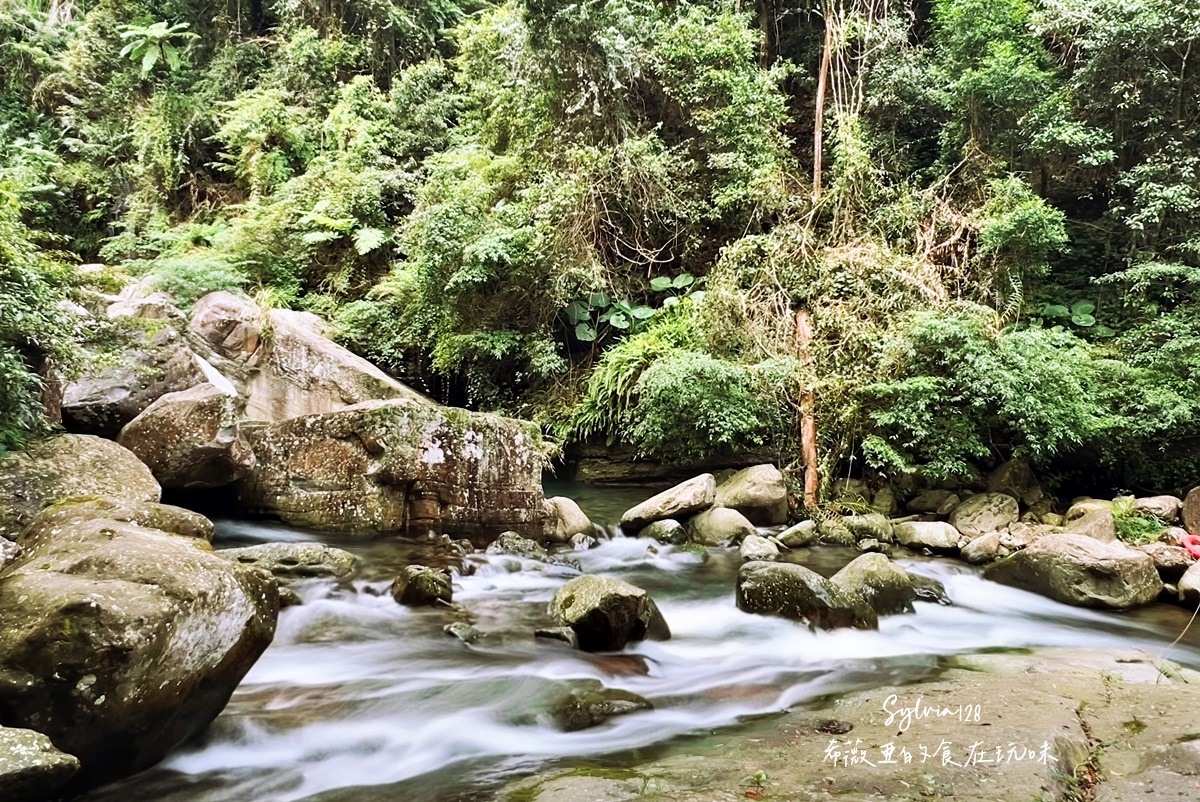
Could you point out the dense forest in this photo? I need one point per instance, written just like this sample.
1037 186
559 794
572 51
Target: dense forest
949 232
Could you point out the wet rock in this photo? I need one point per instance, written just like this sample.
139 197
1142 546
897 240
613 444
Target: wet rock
581 542
934 535
514 545
9 552
667 531
1189 513
795 592
884 501
719 526
680 501
463 632
191 439
66 466
1170 560
607 613
392 466
289 598
757 547
758 493
31 769
871 525
591 704
119 641
564 634
421 586
800 535
983 513
1092 518
565 520
283 364
930 501
289 561
1080 570
885 586
146 514
1164 508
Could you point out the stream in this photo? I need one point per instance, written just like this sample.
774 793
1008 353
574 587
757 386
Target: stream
362 699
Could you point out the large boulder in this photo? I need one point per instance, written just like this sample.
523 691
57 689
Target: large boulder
394 466
283 363
191 439
885 586
1092 518
1189 584
422 586
1015 478
757 492
607 613
1170 560
684 499
1190 511
667 530
719 526
933 501
757 547
795 592
115 391
288 561
31 769
66 466
933 535
120 641
1081 570
1164 508
985 512
565 520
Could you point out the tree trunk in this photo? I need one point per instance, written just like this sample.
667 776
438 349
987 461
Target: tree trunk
808 420
819 121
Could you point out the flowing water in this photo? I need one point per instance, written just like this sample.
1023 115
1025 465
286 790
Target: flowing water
361 699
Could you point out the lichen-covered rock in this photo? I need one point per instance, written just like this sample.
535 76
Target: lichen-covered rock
1189 513
392 466
66 466
870 525
513 544
1170 560
684 499
565 520
795 592
757 547
282 362
799 535
9 552
757 492
288 561
119 641
1081 570
995 545
719 526
1092 518
191 439
1165 508
607 613
111 395
422 586
985 512
885 586
667 530
591 704
31 769
934 535
146 514
1015 478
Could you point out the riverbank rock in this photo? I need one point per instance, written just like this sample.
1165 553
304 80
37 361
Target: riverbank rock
282 362
933 535
120 641
191 439
870 525
1015 478
607 613
667 531
758 493
678 502
928 502
1189 513
1080 570
983 513
885 586
795 592
1164 508
513 544
67 466
1170 560
799 535
9 552
392 466
287 561
591 704
719 526
757 547
565 520
1092 518
31 769
422 586
995 545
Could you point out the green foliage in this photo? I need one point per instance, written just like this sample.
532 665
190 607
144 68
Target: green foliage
1133 526
159 43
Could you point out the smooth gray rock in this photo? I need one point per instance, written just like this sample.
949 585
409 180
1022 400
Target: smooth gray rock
607 613
719 526
757 492
795 592
288 561
684 499
757 547
985 512
934 535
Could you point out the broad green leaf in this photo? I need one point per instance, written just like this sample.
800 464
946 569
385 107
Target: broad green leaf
670 302
660 283
643 312
1083 320
1083 308
1055 310
619 321
585 332
172 55
577 312
149 60
683 280
697 296
316 237
599 300
1103 331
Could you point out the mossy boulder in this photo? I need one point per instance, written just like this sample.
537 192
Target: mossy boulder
422 586
885 586
607 613
795 592
591 704
64 467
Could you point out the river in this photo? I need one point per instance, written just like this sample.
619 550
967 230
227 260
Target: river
361 699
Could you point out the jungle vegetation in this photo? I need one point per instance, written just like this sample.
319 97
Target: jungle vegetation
618 217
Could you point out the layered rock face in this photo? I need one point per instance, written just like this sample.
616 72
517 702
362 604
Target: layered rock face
396 466
122 634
